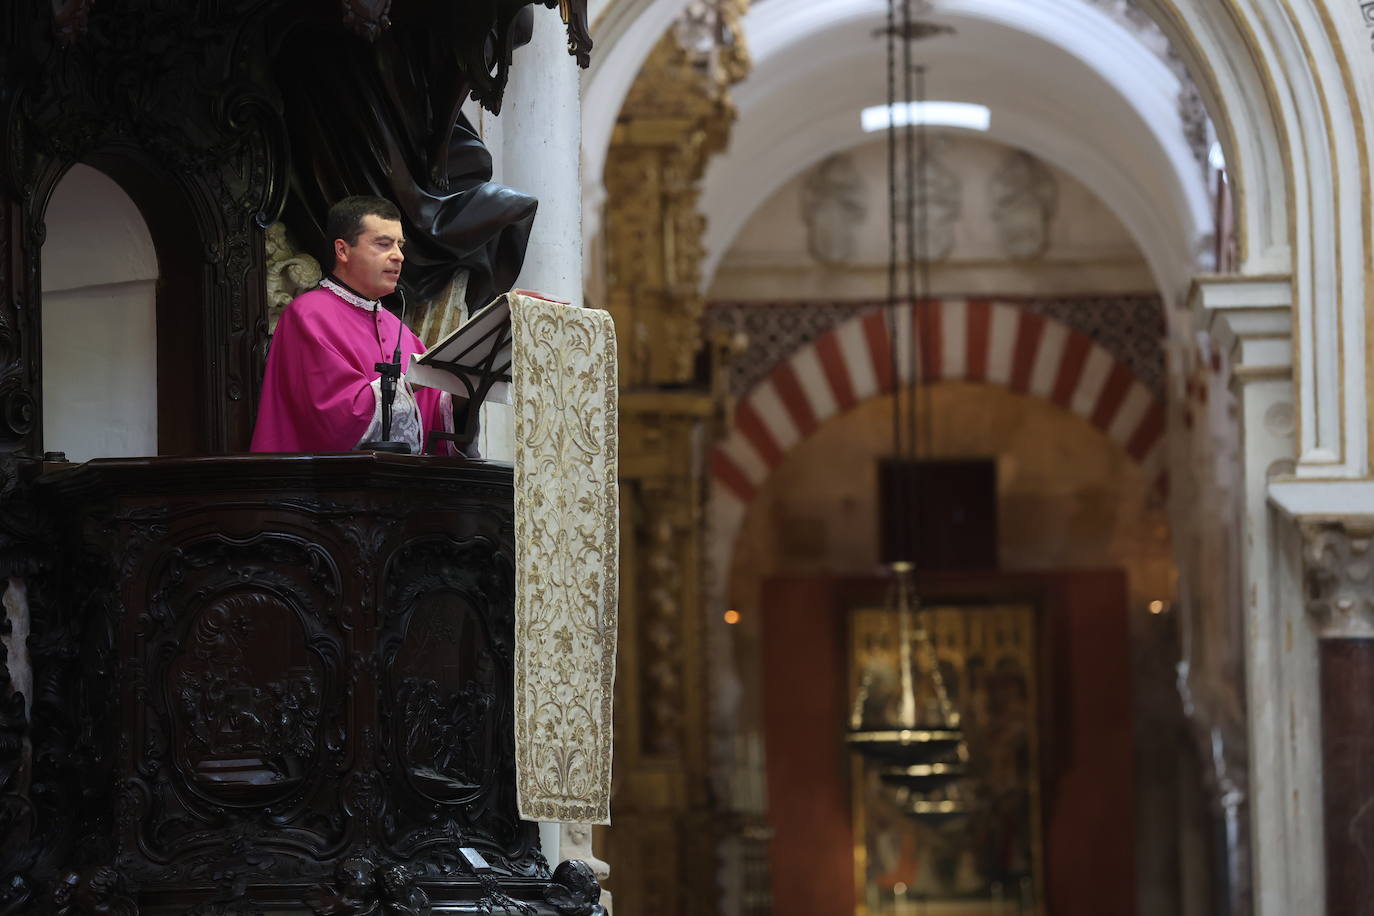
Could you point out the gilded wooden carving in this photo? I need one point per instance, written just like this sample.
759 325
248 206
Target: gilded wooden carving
677 115
669 823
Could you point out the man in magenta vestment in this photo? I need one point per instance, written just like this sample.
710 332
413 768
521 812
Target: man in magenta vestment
321 392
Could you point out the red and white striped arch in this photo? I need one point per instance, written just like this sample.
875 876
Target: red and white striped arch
974 340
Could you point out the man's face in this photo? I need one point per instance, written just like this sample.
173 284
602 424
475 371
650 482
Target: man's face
373 265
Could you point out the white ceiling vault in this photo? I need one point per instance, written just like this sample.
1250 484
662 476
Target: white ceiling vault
1064 80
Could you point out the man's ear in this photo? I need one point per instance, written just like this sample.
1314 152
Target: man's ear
341 251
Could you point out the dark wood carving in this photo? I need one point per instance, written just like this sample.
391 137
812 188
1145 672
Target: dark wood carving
169 100
285 685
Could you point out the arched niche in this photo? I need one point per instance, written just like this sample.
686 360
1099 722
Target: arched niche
100 279
123 354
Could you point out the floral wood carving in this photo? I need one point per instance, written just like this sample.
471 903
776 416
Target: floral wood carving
664 541
567 548
269 679
574 13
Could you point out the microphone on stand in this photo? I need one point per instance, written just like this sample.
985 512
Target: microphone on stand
390 374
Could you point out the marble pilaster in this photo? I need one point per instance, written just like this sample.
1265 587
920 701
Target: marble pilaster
1328 568
1269 762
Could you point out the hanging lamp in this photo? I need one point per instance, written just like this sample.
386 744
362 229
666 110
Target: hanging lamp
920 749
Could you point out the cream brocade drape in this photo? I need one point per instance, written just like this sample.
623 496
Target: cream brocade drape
564 392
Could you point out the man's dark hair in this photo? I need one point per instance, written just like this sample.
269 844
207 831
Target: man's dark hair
345 219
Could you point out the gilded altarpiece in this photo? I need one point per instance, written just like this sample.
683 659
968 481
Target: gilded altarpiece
668 819
979 849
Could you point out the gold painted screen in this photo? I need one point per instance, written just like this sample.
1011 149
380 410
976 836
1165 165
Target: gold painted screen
986 862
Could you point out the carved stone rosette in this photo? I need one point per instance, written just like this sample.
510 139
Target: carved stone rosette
1338 574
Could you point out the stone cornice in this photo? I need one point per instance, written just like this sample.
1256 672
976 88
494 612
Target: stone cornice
1252 317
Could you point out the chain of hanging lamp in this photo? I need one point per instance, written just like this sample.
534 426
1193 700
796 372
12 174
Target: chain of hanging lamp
914 754
910 210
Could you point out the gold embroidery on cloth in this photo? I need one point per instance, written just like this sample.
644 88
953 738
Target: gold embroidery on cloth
567 544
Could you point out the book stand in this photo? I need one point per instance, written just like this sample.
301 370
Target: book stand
468 364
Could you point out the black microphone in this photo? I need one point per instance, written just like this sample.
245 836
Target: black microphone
390 374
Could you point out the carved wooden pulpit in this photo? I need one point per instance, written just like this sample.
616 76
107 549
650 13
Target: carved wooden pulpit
257 684
287 664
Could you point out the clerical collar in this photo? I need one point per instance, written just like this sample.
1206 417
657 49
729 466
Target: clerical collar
338 288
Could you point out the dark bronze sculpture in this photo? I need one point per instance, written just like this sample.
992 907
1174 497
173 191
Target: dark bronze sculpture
363 889
383 118
94 892
378 112
575 890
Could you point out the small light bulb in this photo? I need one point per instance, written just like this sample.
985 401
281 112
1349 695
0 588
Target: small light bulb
732 616
1156 607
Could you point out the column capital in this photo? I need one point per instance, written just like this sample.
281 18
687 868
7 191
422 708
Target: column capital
1338 575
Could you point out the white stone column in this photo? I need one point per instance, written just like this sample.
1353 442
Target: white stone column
1252 318
541 154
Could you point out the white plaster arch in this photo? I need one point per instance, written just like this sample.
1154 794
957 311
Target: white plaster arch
1296 85
1131 152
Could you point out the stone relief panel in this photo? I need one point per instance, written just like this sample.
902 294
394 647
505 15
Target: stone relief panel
833 206
1001 222
940 192
1025 197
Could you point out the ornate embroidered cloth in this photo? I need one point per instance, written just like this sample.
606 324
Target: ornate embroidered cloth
564 388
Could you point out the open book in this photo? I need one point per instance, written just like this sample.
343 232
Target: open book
473 364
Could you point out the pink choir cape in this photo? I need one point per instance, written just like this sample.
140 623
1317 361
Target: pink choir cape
317 394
